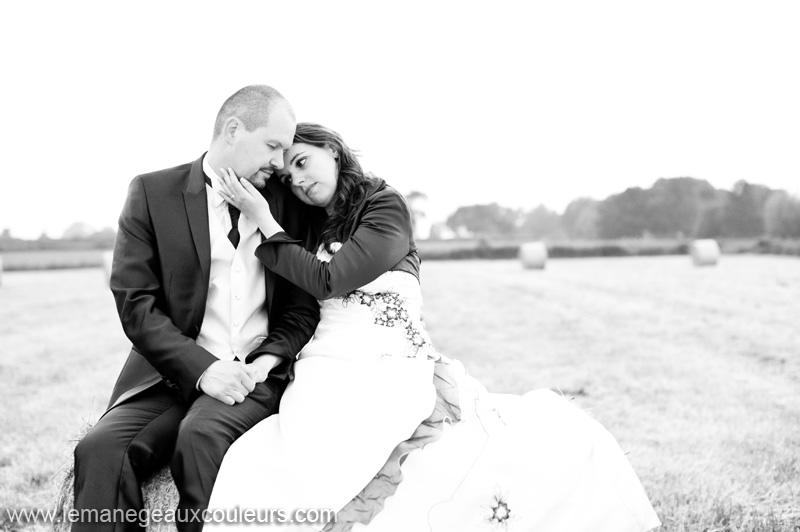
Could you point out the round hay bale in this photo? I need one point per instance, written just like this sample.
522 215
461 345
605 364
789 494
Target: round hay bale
108 259
159 493
533 255
704 252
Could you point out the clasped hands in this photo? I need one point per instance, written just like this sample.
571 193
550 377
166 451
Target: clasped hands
230 381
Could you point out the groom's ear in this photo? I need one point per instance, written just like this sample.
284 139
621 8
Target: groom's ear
229 129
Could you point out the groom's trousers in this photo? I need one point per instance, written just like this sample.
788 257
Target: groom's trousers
139 437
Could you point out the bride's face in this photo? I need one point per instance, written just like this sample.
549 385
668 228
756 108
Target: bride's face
311 173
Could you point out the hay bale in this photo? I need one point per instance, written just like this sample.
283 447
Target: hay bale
533 255
159 493
108 259
704 252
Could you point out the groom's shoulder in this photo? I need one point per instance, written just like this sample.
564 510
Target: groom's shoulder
167 175
167 181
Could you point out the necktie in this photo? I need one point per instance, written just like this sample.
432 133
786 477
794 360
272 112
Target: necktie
233 234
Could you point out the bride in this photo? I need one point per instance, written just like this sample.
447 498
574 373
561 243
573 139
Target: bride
378 426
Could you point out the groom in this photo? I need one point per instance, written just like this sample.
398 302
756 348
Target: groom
214 333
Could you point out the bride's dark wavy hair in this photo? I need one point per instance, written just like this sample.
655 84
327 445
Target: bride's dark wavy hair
351 185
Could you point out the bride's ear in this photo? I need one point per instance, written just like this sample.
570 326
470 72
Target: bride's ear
334 153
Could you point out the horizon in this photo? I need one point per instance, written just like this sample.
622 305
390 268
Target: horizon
114 227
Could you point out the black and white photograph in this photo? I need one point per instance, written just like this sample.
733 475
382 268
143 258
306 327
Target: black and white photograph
400 267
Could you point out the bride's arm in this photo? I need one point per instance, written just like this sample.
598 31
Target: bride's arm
382 239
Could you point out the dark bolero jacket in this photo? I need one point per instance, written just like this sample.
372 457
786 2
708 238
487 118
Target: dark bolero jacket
382 240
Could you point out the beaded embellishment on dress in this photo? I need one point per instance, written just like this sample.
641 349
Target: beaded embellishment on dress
388 310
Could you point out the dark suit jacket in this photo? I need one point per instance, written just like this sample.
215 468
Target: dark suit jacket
160 276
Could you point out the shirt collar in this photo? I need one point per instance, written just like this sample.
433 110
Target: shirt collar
216 199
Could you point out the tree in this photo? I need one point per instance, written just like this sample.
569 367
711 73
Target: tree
623 215
710 224
484 220
580 218
743 212
418 204
78 231
782 215
676 206
539 223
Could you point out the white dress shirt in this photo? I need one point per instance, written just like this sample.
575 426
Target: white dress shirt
235 320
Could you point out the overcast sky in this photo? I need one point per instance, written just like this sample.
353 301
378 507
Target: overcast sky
520 103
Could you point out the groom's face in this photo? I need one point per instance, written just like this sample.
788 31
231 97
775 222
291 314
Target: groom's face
259 153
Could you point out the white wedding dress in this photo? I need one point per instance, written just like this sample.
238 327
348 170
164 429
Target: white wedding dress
377 426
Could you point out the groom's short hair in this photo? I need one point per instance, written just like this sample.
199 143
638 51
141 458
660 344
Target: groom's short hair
252 105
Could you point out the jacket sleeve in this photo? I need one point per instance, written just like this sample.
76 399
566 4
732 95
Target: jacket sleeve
136 285
381 240
289 332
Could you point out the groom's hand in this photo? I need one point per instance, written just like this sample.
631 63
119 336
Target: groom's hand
227 381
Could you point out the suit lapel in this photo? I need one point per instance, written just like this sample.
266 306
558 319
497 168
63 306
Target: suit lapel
196 202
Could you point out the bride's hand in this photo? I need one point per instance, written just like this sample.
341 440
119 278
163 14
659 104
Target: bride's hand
244 196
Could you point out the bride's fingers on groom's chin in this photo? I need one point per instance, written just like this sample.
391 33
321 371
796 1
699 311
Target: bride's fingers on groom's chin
232 180
227 177
241 185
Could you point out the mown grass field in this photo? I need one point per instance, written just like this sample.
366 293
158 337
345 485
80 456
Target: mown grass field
52 259
696 371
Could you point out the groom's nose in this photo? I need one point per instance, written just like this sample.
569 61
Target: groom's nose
277 163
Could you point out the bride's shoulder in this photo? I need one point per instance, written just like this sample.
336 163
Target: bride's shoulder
385 203
388 194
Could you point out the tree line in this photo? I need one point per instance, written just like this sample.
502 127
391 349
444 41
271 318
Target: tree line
681 207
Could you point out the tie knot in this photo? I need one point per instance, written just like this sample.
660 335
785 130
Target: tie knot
233 235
